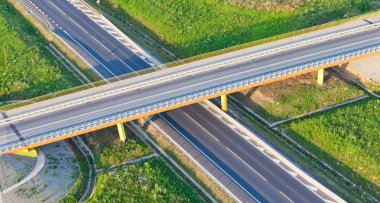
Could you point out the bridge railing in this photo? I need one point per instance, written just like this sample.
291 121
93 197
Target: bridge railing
195 94
190 71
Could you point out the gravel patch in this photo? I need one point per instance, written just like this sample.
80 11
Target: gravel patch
53 182
14 168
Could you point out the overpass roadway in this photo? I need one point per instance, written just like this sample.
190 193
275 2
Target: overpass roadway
154 92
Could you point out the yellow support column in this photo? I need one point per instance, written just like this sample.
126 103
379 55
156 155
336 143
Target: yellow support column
27 152
224 102
320 76
122 133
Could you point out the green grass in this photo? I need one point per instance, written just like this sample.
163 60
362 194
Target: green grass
108 150
27 68
299 95
119 153
348 138
151 181
192 27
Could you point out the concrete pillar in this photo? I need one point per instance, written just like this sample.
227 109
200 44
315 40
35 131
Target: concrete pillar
320 76
224 102
27 152
122 133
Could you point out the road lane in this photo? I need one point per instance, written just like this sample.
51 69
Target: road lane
242 160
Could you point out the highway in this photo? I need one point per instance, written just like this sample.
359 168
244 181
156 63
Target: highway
111 58
246 164
106 54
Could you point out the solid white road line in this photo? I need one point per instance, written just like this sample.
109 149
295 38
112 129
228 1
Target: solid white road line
286 197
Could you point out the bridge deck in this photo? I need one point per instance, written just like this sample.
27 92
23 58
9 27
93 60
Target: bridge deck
78 119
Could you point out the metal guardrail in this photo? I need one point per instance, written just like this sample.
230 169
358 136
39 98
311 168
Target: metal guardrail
186 73
212 89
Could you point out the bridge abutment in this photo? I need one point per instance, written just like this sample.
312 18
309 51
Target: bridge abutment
27 152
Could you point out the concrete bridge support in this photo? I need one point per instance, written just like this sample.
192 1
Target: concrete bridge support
224 102
27 152
320 76
122 133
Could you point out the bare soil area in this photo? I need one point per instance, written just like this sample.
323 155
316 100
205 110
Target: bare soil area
352 73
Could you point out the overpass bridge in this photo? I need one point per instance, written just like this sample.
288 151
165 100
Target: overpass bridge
112 104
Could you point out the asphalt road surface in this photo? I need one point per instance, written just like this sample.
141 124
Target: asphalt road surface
246 164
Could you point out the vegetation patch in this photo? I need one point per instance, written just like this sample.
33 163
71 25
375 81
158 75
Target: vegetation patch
27 68
192 27
82 177
109 150
151 181
348 138
297 96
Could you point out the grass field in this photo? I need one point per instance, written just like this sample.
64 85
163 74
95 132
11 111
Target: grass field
151 181
348 136
297 96
27 68
109 150
192 27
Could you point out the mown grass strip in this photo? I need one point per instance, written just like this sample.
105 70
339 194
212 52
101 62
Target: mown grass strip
347 138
